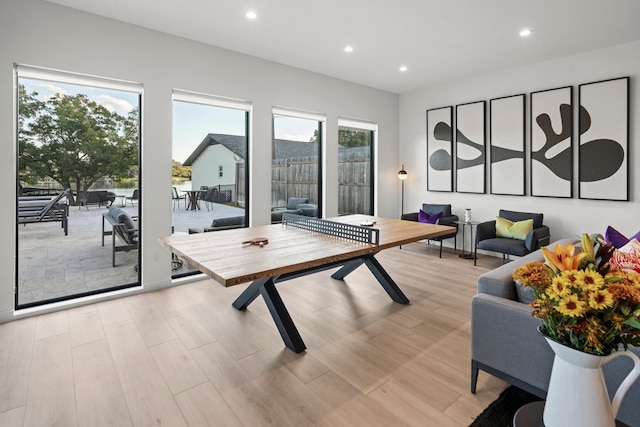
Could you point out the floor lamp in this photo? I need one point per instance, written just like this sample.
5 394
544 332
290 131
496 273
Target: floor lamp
402 175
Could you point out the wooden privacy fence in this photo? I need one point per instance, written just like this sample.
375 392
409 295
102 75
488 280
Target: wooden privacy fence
298 177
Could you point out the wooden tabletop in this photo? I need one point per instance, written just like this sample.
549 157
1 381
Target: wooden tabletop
222 255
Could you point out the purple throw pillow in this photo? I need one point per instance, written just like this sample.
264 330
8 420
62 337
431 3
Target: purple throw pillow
617 239
429 219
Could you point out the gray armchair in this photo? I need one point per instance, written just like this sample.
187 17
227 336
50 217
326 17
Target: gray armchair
487 240
447 218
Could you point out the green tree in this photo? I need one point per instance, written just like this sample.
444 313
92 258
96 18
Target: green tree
354 137
75 141
180 171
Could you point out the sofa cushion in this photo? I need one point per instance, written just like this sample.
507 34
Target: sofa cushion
293 202
308 209
228 221
504 245
525 294
616 238
429 218
520 216
513 230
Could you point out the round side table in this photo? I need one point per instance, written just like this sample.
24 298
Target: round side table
529 415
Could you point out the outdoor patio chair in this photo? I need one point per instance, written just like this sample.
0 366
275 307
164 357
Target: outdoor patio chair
53 211
135 196
176 198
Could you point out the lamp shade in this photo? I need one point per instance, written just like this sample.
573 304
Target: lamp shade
402 174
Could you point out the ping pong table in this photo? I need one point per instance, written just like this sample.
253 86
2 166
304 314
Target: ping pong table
297 247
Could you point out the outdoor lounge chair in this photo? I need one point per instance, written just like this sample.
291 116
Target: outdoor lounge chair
53 211
123 229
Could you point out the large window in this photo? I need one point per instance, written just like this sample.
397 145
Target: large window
78 190
355 167
210 166
296 167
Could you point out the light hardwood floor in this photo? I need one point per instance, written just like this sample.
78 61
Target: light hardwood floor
184 356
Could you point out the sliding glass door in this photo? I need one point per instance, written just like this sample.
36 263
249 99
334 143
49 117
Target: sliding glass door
210 173
78 150
296 166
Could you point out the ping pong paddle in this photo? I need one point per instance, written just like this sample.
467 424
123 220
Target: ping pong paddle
260 241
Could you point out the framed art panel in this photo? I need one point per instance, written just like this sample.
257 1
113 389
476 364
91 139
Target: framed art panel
551 150
440 149
603 123
470 147
506 133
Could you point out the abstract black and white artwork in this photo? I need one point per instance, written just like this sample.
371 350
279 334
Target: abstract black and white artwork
507 135
603 123
470 147
551 150
440 149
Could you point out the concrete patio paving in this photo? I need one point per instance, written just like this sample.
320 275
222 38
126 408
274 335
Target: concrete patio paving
52 265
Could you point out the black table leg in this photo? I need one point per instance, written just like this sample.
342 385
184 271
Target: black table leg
385 280
281 317
249 294
347 269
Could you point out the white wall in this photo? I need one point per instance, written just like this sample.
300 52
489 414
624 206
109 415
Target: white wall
38 33
204 170
565 217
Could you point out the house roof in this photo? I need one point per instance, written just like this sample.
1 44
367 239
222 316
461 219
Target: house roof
237 144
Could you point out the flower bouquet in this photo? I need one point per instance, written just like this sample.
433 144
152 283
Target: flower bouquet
582 302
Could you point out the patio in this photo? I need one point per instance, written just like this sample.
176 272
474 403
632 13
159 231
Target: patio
52 265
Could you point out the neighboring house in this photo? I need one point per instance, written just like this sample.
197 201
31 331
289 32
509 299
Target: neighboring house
214 161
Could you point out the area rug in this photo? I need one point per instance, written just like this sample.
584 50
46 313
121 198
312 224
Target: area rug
501 411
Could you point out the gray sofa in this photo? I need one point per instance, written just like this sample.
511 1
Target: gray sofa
218 224
295 205
505 341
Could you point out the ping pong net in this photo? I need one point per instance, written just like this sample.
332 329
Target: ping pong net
340 230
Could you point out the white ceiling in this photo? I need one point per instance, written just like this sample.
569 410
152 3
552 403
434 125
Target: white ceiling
438 40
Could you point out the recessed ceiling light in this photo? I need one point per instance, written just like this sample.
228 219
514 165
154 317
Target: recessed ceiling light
526 32
251 15
348 49
403 68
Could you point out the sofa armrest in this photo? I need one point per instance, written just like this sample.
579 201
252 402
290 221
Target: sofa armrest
486 230
537 238
504 336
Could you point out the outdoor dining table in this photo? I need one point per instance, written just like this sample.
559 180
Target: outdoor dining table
192 198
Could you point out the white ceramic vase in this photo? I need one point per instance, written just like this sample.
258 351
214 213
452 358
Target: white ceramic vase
577 394
467 215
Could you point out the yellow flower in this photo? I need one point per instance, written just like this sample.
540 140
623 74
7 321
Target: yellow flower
594 334
587 248
590 279
583 301
562 257
572 306
559 288
571 276
600 299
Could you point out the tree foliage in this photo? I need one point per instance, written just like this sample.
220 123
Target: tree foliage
348 137
74 141
180 171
